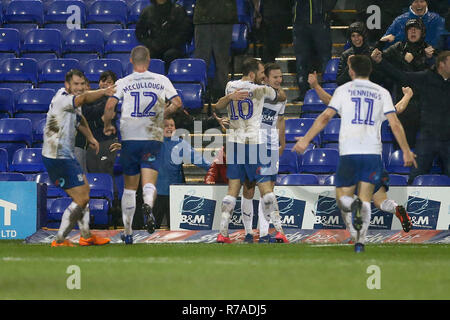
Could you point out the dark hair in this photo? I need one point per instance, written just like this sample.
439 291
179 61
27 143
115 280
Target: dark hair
108 74
250 65
442 57
271 66
358 27
361 65
74 72
140 55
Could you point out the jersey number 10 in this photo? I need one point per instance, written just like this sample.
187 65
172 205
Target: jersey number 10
146 112
357 120
240 109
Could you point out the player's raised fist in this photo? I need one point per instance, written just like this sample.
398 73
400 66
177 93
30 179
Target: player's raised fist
312 80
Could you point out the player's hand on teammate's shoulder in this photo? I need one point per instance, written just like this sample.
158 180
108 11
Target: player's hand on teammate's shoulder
301 145
110 90
115 146
239 95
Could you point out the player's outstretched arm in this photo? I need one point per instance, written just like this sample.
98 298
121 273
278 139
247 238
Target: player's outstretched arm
93 95
399 133
403 103
235 96
281 95
281 126
319 124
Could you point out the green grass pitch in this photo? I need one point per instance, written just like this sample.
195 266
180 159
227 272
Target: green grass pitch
236 271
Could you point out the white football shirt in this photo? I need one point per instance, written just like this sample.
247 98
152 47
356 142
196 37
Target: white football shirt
245 115
363 106
144 98
269 119
63 119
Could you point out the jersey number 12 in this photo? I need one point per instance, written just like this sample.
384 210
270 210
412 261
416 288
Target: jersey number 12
146 112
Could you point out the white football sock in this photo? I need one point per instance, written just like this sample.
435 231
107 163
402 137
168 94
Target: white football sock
69 218
228 204
83 223
347 217
388 205
366 212
345 203
270 208
128 209
148 192
247 214
263 223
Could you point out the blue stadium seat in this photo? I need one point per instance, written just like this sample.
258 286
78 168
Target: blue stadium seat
156 66
94 68
57 209
55 70
16 86
288 162
81 57
43 40
188 5
6 55
331 70
331 145
101 185
106 28
16 130
99 209
40 57
25 11
38 131
331 131
62 27
52 190
244 12
397 180
136 9
312 102
23 28
6 101
239 39
431 180
108 11
9 40
11 148
299 179
35 118
329 181
4 164
28 160
84 40
12 176
395 163
18 70
124 58
298 128
192 94
320 160
329 85
122 40
188 70
35 100
57 11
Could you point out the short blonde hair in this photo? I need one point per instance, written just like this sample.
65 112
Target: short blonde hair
140 55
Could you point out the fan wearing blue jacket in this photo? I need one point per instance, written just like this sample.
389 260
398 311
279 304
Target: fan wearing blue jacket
434 23
173 153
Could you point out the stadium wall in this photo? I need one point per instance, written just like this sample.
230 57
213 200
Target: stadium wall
197 207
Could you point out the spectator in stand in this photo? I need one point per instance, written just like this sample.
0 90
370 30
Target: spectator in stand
164 28
213 27
434 23
411 55
358 37
173 153
433 86
273 17
103 162
312 37
81 144
217 173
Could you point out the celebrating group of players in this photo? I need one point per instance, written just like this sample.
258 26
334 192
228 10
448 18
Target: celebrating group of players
255 140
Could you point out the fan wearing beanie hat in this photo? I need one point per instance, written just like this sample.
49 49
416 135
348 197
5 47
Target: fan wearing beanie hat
433 23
